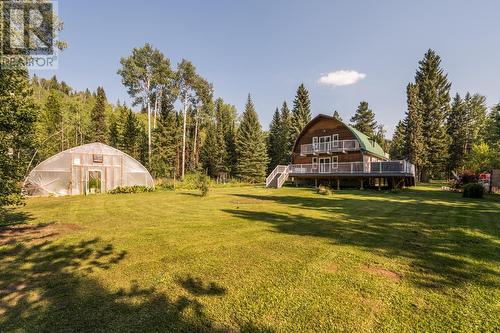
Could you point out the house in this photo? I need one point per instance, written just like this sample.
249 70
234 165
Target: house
329 151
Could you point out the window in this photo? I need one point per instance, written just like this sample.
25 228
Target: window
314 162
335 162
315 143
97 158
335 140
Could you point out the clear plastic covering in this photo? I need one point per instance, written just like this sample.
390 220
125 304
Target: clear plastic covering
90 168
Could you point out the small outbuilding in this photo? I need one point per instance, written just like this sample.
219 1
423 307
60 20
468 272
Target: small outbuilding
86 169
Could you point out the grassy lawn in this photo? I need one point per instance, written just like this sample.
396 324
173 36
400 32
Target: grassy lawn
253 260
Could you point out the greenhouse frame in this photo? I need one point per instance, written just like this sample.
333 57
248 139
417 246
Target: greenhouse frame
87 169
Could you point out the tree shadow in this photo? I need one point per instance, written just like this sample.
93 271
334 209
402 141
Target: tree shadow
50 287
442 253
10 216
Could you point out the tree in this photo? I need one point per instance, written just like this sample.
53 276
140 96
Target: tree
301 112
434 99
131 133
165 141
186 84
364 119
397 146
337 116
145 72
475 122
98 117
379 137
17 120
286 131
250 146
414 137
482 157
274 148
492 131
54 119
226 115
457 130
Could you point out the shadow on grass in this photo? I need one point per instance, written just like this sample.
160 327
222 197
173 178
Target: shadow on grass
9 216
449 241
50 287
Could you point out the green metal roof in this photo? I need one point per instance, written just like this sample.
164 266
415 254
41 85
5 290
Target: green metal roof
367 144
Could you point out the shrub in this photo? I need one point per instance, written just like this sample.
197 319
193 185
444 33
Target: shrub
473 191
131 189
325 190
203 184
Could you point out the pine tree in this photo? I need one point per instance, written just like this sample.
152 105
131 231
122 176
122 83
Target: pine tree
434 98
165 141
397 146
301 112
364 119
475 122
337 116
99 117
414 137
17 120
54 123
286 130
492 131
457 130
131 135
114 134
274 148
251 147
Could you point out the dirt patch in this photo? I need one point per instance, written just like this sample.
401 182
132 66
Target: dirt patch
382 272
34 233
332 268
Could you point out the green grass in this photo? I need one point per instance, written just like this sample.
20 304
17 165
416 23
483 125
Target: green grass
253 260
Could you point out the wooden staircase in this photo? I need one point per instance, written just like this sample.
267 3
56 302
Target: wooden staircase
278 176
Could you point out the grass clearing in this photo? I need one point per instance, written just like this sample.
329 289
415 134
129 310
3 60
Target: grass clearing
253 260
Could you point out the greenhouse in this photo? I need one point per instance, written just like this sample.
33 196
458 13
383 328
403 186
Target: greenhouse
87 169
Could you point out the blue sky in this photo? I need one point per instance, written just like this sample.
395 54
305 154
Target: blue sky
268 48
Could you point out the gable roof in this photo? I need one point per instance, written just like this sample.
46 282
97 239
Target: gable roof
365 143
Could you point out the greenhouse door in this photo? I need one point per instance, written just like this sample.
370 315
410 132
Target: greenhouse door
95 182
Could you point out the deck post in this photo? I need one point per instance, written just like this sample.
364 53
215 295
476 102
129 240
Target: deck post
361 183
378 181
338 183
315 182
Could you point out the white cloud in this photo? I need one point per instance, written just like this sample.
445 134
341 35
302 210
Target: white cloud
341 78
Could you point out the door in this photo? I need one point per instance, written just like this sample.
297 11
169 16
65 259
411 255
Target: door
95 182
324 143
324 165
315 143
335 162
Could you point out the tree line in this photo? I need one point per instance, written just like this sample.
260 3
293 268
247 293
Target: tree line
443 136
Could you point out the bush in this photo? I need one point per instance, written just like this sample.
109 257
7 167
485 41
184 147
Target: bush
473 191
325 190
131 189
203 184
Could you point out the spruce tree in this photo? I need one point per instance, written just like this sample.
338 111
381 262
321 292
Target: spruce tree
457 130
251 147
165 141
17 120
301 112
337 116
274 148
414 136
364 119
397 145
492 131
434 98
131 135
475 123
54 123
286 130
98 116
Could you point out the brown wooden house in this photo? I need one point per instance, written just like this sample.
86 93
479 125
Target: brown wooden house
329 151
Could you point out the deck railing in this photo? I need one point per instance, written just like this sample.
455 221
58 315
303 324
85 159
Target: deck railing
328 147
278 169
381 167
